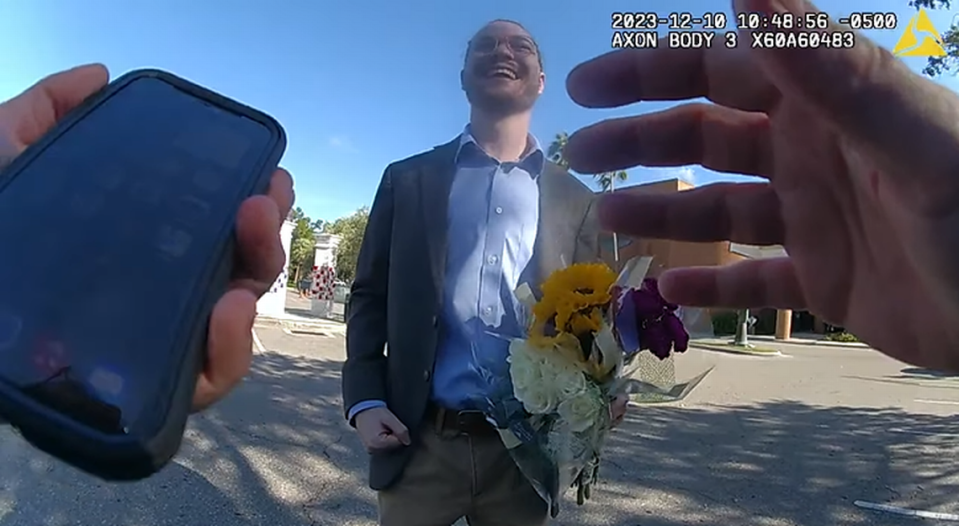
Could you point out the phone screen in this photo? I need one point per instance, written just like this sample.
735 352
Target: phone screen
105 234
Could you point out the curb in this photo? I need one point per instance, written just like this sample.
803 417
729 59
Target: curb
297 324
824 343
717 348
809 343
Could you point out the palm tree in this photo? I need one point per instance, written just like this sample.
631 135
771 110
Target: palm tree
605 180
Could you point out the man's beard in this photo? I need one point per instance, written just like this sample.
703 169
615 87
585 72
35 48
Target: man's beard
502 104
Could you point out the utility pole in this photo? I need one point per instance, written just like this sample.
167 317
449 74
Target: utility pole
742 329
612 188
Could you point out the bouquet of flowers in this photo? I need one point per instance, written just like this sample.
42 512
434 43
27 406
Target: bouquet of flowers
584 330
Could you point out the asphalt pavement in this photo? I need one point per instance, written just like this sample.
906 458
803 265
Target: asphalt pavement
783 441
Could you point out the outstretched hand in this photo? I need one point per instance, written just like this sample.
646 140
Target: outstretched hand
859 158
25 118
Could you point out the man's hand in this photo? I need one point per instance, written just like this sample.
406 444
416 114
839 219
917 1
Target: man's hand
25 118
617 409
859 156
380 430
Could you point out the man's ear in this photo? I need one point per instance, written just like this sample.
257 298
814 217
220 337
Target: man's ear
542 82
463 79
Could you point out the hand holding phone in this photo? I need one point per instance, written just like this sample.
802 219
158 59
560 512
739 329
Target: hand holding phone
52 387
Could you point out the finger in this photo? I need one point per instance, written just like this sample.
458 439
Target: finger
281 192
725 76
384 442
229 347
719 138
758 283
29 115
740 212
845 86
401 432
259 249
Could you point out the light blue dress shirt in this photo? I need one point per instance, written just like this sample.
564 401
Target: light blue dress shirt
492 224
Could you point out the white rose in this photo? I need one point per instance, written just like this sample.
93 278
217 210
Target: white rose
565 380
537 400
581 412
526 369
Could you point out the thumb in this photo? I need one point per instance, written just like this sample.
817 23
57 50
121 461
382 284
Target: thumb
866 93
397 428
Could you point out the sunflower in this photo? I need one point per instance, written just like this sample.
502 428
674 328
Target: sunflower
573 303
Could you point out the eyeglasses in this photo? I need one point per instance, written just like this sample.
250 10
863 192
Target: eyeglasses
519 45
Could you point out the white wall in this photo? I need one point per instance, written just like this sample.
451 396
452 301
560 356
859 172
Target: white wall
273 303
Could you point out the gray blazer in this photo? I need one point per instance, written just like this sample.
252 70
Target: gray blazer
397 293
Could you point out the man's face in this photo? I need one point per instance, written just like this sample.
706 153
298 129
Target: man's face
502 74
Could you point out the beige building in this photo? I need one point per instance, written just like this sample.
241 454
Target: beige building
672 254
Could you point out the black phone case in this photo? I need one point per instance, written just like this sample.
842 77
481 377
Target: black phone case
126 457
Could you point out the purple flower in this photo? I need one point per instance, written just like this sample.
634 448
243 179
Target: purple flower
660 330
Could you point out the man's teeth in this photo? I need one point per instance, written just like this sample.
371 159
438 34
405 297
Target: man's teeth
504 72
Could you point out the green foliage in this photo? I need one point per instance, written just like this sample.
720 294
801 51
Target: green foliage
556 149
351 229
725 323
606 179
930 4
302 244
842 336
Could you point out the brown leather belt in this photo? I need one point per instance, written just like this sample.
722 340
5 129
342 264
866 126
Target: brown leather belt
472 423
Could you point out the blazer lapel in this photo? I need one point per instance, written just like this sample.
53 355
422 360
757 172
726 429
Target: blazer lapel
436 179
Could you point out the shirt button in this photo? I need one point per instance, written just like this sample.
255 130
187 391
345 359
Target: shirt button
488 310
426 375
491 260
435 320
499 209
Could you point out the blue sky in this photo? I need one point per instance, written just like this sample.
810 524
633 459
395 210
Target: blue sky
357 84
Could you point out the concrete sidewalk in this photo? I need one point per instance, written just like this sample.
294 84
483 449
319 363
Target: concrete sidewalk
797 339
298 317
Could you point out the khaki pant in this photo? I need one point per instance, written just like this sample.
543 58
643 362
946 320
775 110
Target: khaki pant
450 477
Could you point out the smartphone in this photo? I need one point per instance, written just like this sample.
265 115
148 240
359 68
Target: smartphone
117 238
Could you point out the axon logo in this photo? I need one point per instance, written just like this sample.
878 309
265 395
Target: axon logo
920 38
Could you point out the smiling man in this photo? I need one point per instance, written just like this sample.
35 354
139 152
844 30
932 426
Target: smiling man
451 234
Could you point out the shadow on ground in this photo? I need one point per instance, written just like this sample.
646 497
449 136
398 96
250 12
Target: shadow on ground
775 463
278 453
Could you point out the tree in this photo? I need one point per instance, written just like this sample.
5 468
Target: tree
303 242
936 66
302 249
605 180
350 229
295 214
